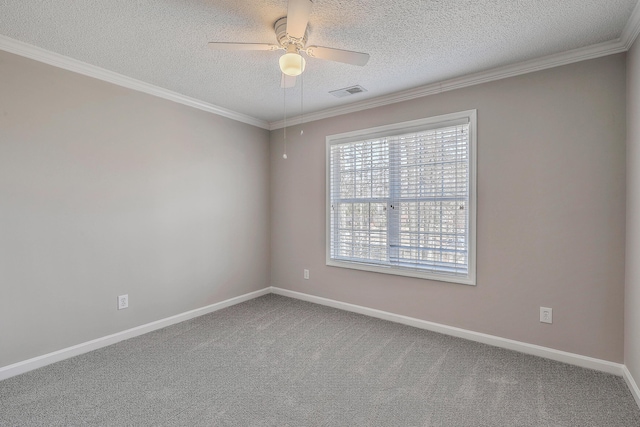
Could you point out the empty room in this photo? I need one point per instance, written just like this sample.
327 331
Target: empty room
320 213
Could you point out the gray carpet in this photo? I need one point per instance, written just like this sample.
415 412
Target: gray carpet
275 361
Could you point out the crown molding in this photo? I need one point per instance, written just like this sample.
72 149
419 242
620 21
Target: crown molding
632 28
42 55
545 62
629 35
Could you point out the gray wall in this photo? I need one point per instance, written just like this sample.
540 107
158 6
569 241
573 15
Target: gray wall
107 191
551 211
632 291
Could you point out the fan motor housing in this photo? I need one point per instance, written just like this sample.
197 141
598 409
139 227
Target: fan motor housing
283 38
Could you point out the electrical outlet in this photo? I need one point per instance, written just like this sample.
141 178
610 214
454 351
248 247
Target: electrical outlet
123 301
546 315
306 274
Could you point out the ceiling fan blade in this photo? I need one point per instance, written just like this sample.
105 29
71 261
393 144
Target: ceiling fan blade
298 13
339 55
242 46
287 81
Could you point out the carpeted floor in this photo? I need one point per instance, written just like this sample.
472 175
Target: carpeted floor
275 361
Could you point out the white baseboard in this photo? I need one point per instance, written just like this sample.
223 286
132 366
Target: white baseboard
65 353
536 350
522 347
633 386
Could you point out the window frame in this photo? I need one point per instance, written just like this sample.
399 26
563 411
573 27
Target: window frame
468 116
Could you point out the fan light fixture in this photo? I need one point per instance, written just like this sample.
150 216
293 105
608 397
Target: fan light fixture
292 63
292 33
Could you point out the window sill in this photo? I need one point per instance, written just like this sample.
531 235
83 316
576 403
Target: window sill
406 272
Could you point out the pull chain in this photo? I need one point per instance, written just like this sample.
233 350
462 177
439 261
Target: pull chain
301 103
284 104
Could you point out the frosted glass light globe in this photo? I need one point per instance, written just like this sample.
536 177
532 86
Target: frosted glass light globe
292 64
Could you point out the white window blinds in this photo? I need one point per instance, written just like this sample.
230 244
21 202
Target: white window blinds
401 201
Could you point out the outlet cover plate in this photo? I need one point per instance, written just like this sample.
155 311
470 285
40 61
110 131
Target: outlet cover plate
306 274
123 301
546 315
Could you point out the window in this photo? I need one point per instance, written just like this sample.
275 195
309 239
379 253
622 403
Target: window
401 198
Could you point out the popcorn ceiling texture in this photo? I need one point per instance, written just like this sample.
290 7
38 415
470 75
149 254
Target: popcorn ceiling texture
411 43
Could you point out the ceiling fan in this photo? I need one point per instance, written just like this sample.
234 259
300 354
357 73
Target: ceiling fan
291 33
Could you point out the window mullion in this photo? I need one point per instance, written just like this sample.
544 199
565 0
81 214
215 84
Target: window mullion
393 207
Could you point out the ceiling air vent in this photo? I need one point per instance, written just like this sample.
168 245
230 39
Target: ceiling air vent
347 91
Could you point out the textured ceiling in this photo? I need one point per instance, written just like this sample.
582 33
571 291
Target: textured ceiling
411 42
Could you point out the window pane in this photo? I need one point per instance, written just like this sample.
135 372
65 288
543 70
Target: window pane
433 233
347 181
362 231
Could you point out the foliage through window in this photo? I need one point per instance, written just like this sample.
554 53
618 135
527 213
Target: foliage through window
401 198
